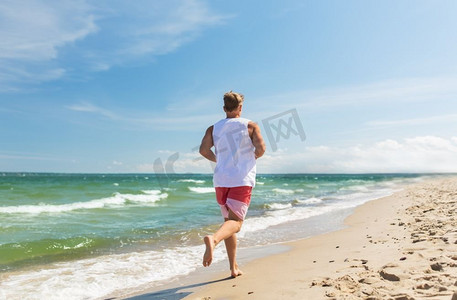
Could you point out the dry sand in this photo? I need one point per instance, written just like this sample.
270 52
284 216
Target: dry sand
400 247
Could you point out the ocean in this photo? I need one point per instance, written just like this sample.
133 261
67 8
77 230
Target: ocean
86 236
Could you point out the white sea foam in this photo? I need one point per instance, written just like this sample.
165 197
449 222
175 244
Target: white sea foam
287 191
294 213
260 182
361 188
151 192
104 275
276 206
201 190
80 245
359 198
311 186
311 200
356 181
117 200
192 180
277 217
283 191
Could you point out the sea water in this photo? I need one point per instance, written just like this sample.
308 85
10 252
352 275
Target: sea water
85 236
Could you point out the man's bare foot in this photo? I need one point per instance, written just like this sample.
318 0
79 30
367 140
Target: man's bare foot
208 256
236 272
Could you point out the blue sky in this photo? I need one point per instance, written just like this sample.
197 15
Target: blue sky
112 86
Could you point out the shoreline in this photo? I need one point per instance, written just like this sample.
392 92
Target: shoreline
219 270
381 253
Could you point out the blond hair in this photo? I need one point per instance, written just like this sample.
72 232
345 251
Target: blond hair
232 100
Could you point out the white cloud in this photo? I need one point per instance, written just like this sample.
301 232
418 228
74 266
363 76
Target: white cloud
140 120
385 92
414 121
176 24
34 30
431 143
90 108
417 154
33 33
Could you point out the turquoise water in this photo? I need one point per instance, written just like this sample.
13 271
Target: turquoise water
89 235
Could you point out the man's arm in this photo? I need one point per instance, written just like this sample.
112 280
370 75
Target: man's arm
257 139
207 143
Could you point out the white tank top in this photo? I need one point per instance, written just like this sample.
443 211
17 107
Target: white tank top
235 158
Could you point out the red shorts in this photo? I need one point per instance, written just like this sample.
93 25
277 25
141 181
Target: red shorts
236 199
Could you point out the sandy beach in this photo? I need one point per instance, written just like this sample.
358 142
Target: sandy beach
399 247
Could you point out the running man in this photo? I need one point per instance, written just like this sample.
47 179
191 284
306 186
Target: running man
238 143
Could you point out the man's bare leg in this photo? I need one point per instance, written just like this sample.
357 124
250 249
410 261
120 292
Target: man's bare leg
231 225
230 246
208 256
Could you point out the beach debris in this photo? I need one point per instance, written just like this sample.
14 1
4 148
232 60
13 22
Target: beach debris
442 289
331 261
250 293
369 280
346 284
332 294
418 240
388 275
436 267
424 286
367 290
326 282
403 297
364 261
403 258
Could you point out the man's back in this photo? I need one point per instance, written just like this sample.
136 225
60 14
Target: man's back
236 163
